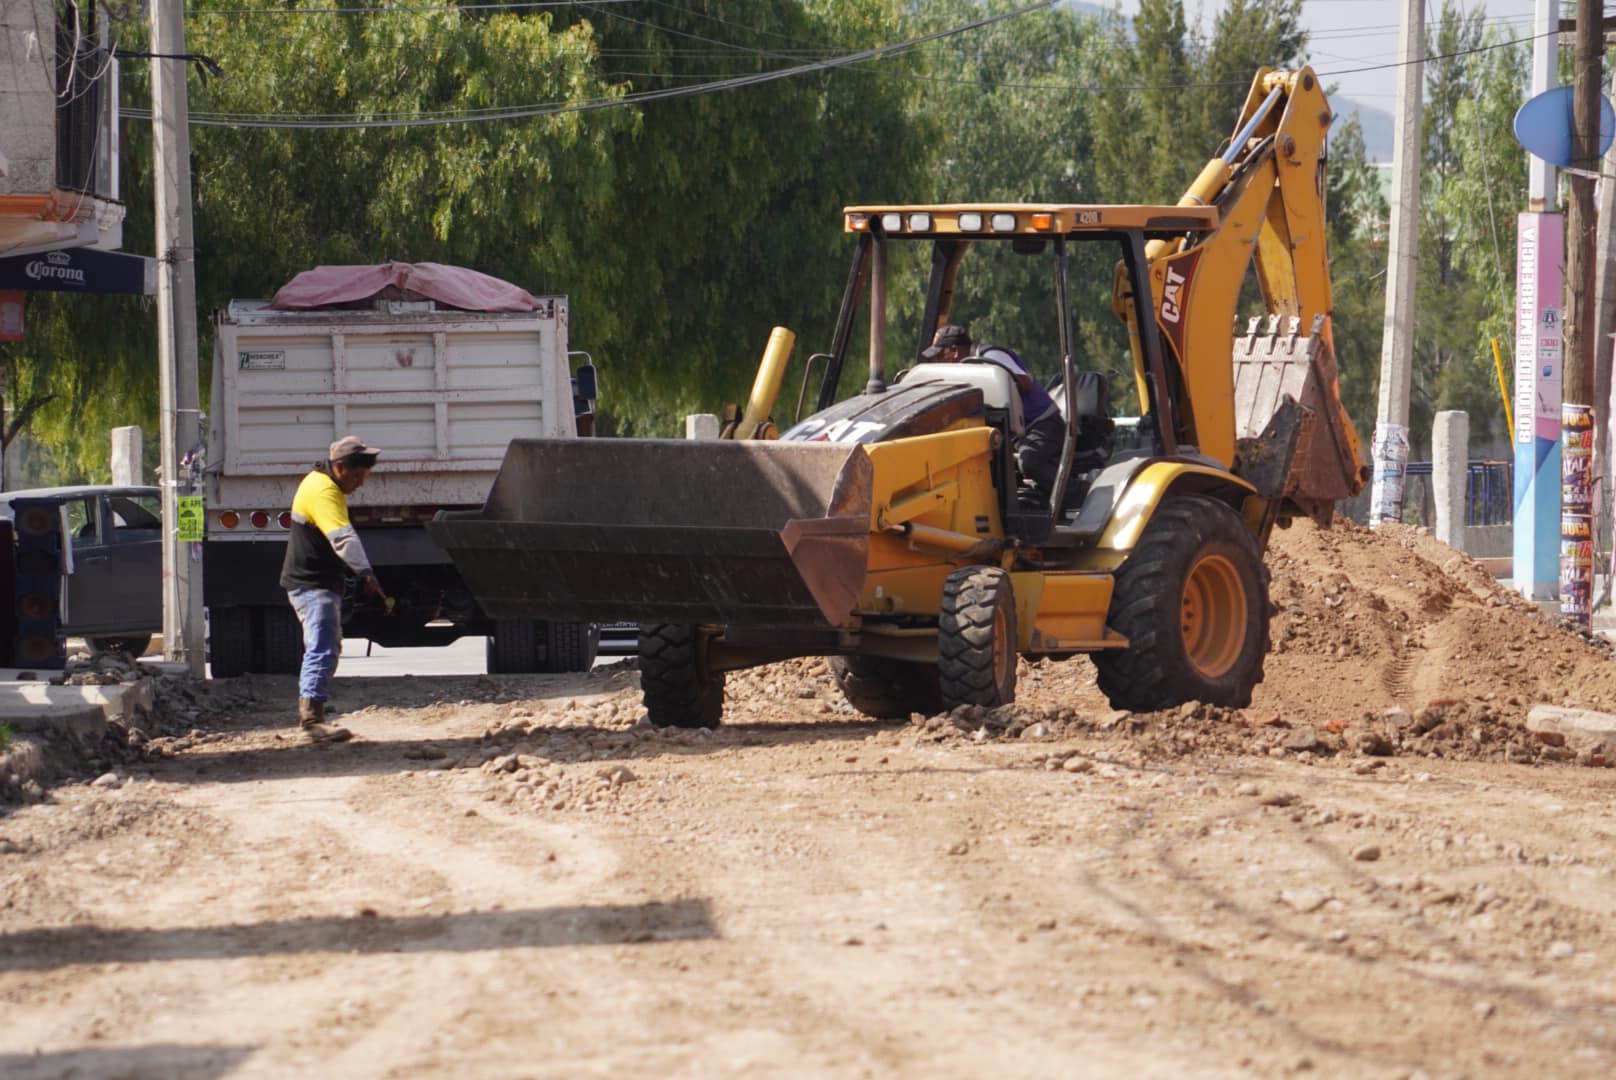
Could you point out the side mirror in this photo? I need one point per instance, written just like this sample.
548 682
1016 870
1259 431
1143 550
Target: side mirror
584 384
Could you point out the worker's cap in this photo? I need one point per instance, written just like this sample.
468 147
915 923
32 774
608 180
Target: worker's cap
352 449
954 334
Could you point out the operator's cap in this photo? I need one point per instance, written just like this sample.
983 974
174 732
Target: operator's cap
952 334
353 447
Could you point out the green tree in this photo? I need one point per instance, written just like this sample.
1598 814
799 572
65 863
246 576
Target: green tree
1478 200
1358 216
1246 35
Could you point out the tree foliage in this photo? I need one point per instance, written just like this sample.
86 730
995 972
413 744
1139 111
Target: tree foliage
682 229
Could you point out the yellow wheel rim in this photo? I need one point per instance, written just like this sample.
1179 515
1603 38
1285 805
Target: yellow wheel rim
1004 647
1212 619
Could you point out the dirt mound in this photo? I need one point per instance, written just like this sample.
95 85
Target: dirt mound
1384 642
1367 620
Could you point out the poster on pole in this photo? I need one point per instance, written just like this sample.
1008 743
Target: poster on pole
1576 513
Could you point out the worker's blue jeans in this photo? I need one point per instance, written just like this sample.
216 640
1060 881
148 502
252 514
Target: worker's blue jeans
320 612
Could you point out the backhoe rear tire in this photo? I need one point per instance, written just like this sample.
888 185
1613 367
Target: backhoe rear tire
679 688
976 638
888 689
1192 601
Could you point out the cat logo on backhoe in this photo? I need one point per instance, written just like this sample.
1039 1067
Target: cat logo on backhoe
1175 284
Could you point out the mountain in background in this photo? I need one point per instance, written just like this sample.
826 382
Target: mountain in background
1377 127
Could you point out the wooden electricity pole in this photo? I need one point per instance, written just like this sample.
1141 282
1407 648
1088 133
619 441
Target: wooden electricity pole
1582 220
1577 412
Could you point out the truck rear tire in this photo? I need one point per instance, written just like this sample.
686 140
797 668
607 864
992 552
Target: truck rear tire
679 689
887 689
231 639
570 646
513 647
282 639
1192 600
976 638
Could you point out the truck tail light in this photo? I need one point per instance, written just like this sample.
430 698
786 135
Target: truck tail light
260 519
230 519
286 519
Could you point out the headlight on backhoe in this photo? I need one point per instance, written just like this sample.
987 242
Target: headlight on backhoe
892 222
857 222
1004 223
920 223
970 222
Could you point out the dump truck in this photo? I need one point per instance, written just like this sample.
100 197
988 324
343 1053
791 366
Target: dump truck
399 355
892 532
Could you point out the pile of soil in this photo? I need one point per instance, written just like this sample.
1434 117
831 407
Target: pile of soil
1383 641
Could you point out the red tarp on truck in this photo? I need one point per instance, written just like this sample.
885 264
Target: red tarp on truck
454 286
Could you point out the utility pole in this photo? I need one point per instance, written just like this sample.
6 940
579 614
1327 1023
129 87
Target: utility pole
1390 447
1577 374
180 404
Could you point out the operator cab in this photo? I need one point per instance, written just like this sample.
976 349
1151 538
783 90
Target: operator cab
1053 284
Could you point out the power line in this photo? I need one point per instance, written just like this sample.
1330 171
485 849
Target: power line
849 61
530 112
430 9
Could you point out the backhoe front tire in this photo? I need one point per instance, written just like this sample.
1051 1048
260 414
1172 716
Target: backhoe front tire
679 688
1192 601
887 689
976 638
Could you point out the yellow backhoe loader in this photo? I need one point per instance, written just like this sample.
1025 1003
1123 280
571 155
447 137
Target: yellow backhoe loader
891 532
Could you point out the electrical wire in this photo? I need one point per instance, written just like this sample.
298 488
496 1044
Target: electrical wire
849 62
530 112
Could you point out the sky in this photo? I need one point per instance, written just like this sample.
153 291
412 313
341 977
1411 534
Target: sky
1346 34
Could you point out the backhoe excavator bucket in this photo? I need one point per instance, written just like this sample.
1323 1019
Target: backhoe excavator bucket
669 530
1293 438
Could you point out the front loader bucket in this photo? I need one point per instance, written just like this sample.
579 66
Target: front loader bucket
669 531
1293 438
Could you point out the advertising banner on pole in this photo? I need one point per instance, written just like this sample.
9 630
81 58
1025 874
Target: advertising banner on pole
1577 512
1539 348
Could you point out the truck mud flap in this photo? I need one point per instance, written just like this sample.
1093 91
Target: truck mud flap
1293 438
669 530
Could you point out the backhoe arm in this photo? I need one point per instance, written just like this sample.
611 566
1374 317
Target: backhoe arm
1269 189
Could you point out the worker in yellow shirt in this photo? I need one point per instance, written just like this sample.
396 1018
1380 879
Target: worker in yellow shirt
322 548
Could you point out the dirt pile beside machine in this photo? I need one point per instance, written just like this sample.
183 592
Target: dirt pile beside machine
893 530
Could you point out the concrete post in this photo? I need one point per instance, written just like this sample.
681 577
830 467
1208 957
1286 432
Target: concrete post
702 425
178 391
128 468
1389 447
1450 468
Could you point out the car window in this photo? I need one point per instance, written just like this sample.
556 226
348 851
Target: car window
135 518
79 514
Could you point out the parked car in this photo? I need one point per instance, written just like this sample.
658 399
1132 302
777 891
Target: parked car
113 562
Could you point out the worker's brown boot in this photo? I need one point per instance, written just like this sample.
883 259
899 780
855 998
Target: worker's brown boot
311 717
